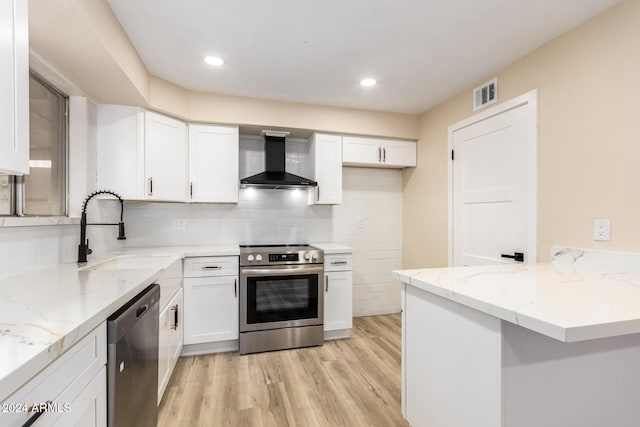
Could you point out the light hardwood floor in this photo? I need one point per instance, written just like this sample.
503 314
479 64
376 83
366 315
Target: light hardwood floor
352 382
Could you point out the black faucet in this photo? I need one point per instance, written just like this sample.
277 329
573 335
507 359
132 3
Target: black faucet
83 248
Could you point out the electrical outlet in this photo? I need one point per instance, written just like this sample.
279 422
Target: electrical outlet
181 224
601 229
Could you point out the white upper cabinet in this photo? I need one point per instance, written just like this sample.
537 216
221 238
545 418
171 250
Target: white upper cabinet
360 151
165 158
120 150
376 152
14 87
327 169
399 153
213 164
143 155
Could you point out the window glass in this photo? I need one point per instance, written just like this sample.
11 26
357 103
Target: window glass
45 186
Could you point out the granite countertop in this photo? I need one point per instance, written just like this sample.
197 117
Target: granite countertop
45 312
560 299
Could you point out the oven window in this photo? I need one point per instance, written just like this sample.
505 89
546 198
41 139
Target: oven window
282 298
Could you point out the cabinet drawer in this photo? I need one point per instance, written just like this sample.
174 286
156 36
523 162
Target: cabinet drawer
61 381
211 266
338 262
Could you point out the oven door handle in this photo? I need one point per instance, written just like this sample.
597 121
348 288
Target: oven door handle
281 271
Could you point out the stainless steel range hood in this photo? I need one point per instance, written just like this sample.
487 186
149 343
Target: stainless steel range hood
275 176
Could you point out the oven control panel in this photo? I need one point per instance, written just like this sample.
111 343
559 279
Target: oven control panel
286 256
283 257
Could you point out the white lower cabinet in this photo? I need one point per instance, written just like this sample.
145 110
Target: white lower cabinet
212 313
211 299
73 388
338 305
169 341
89 407
337 300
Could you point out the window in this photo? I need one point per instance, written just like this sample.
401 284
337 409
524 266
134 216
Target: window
44 191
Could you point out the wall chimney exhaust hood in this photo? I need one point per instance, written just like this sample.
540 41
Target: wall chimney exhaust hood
275 176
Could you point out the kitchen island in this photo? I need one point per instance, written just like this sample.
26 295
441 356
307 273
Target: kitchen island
553 344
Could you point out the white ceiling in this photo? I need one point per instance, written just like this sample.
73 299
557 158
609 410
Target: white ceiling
316 51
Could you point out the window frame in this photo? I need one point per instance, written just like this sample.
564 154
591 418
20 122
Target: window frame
17 184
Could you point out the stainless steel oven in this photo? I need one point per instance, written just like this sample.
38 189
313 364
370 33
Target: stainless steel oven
281 297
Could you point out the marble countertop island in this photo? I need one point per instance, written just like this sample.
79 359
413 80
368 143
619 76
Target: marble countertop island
523 345
561 301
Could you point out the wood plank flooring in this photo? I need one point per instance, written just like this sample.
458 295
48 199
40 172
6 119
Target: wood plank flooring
352 382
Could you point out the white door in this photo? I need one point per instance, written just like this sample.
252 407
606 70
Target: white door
165 158
213 164
493 187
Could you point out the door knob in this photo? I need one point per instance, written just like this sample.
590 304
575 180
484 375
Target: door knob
517 256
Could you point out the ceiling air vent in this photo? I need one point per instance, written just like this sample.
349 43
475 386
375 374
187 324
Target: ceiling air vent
485 95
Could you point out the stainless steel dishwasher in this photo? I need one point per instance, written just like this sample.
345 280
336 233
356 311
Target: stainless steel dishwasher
132 364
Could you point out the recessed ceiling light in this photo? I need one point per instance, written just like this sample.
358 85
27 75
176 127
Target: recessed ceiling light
213 60
367 82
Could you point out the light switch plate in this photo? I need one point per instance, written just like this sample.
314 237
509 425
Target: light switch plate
601 229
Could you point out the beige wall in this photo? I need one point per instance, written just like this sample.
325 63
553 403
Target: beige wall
588 83
84 40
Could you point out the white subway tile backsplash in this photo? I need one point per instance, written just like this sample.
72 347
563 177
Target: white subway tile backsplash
369 220
27 248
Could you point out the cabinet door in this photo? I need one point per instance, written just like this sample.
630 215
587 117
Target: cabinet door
14 86
164 351
327 150
177 328
89 408
120 150
361 151
211 309
170 341
337 300
213 164
399 153
165 158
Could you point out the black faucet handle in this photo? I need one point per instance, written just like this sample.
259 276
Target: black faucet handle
89 251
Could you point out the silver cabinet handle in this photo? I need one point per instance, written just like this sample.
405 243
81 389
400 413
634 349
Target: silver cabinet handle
379 154
384 155
326 283
235 288
191 189
150 179
339 263
318 194
211 267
